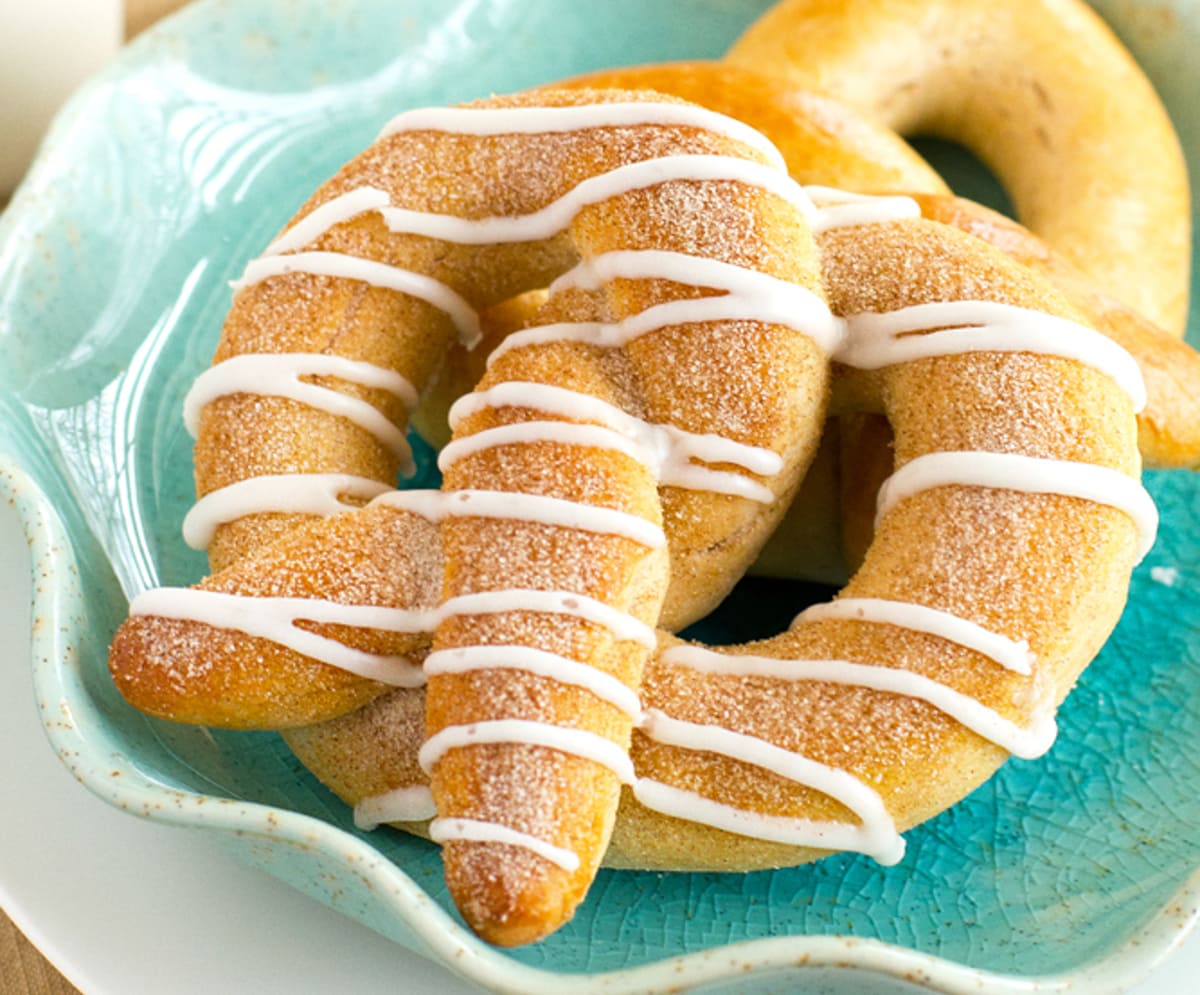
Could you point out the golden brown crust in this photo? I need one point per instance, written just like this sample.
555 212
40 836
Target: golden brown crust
188 671
822 141
1042 92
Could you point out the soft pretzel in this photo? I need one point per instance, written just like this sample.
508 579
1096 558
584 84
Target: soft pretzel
643 432
1004 544
1041 91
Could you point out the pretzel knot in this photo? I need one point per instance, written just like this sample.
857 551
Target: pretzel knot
615 470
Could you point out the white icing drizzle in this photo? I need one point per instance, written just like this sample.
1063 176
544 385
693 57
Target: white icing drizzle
572 404
875 340
1009 653
666 450
538 224
576 742
520 599
559 213
1028 474
478 831
295 493
344 207
249 372
613 335
842 209
750 296
877 836
549 120
375 273
677 473
565 433
410 803
439 505
1023 742
871 838
541 663
278 375
275 619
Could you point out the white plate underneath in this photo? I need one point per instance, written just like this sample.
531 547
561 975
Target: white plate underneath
122 906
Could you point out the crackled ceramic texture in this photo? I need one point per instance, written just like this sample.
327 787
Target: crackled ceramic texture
157 184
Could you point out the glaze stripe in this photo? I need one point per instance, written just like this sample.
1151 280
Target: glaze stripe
878 830
521 599
842 209
242 374
477 831
278 375
335 211
286 493
878 339
576 742
438 505
557 216
691 806
540 663
580 117
1025 742
764 297
1029 475
274 619
1012 654
664 470
679 443
346 267
409 803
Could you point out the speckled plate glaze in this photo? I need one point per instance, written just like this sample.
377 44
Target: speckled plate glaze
156 185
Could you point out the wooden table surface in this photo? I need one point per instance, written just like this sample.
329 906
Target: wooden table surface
24 971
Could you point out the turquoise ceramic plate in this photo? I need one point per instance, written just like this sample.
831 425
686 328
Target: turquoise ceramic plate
158 182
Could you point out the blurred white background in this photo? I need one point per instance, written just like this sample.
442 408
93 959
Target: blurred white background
47 48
